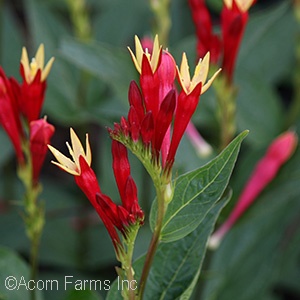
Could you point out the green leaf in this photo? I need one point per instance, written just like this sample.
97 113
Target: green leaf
196 193
14 272
11 42
115 22
258 55
258 109
110 64
44 25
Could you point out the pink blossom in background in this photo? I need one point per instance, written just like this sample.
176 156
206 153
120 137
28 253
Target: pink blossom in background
280 150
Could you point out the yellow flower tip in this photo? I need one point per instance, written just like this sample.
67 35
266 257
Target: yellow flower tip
25 63
37 63
153 58
243 5
40 56
184 73
200 74
47 69
155 54
206 86
76 150
64 162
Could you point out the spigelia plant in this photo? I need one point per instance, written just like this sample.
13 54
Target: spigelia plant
21 105
137 204
185 209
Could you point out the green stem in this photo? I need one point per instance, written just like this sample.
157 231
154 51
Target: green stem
35 242
34 221
34 213
226 99
161 10
128 268
160 192
80 19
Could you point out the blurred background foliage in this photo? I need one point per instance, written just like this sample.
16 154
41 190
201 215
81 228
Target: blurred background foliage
87 90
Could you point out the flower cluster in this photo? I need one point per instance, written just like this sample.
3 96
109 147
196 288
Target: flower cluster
123 217
146 131
234 18
157 103
21 106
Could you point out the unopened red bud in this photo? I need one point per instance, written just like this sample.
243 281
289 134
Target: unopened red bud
121 166
40 135
136 100
124 127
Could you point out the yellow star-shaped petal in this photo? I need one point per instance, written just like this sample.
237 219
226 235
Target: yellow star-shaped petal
200 74
65 163
37 63
139 53
243 5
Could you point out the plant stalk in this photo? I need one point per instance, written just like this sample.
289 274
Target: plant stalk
160 192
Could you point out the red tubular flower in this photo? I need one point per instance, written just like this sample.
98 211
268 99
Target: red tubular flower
264 172
79 167
9 117
113 216
88 183
157 70
186 106
31 96
234 18
207 41
40 134
188 99
32 90
233 23
86 179
125 183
